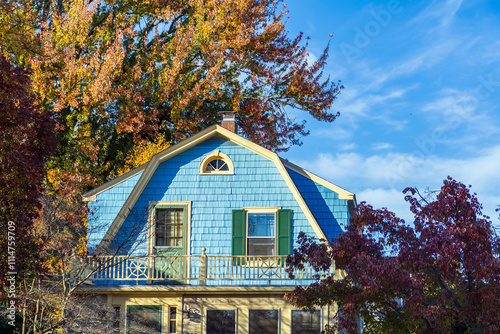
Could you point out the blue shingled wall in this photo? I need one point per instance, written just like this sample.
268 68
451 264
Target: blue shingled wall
331 213
256 183
103 211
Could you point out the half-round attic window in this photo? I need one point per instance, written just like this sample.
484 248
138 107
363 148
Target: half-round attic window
216 163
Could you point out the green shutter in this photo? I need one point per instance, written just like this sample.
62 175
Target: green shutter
238 234
284 231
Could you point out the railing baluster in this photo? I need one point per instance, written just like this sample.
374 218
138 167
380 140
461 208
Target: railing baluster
198 267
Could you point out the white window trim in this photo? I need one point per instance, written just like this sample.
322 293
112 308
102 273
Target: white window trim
216 155
272 209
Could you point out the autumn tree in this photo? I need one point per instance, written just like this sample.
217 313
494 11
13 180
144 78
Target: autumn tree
440 274
118 73
52 301
27 138
118 76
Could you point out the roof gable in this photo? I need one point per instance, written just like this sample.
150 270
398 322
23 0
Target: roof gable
148 170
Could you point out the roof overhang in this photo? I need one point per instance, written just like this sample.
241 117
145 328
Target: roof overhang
149 169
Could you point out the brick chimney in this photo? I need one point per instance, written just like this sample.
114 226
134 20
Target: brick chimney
229 120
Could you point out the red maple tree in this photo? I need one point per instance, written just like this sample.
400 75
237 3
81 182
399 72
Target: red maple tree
27 139
438 275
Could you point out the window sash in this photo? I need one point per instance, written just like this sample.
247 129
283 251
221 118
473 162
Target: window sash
143 319
261 224
263 322
305 322
221 322
169 227
260 233
173 320
261 246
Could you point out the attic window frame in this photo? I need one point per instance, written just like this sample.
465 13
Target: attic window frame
216 155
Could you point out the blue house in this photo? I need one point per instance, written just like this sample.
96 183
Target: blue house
196 240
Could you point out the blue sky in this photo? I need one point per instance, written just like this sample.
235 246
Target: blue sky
421 98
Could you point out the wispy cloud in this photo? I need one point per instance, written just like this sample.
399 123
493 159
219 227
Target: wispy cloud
392 172
391 199
360 102
425 58
382 146
348 147
441 12
454 109
334 133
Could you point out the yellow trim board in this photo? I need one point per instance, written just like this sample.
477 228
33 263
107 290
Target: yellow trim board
160 157
300 200
343 194
90 196
177 290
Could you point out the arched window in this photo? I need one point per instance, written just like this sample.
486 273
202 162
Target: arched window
216 163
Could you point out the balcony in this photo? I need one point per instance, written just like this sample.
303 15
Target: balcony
195 270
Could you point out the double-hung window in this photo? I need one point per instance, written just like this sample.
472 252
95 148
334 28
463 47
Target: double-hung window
263 322
261 232
143 319
221 321
261 238
305 322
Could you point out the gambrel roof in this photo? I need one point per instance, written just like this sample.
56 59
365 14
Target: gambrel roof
147 170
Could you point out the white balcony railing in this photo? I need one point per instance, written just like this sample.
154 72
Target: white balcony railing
195 269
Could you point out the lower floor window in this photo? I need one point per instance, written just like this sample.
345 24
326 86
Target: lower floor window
173 320
143 319
263 322
305 322
116 318
221 321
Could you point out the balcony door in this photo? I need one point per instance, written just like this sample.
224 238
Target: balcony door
170 241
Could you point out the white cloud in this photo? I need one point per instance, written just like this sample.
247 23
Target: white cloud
311 58
427 57
453 109
379 178
441 11
358 104
337 133
391 199
382 146
491 52
348 147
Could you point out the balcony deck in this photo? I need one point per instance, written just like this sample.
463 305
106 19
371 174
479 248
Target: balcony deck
197 270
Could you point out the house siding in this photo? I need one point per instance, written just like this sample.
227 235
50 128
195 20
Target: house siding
331 213
104 210
256 183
